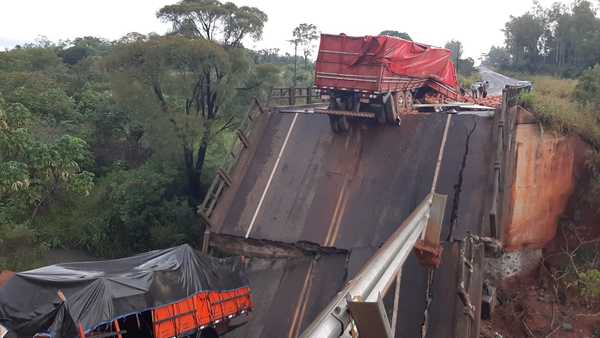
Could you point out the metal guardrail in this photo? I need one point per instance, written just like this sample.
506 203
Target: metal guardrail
309 94
223 177
510 95
368 288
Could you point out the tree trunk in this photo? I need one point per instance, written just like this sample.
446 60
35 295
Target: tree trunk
193 186
295 63
305 62
201 155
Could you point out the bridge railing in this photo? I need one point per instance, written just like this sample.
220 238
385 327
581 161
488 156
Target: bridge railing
360 301
223 177
293 96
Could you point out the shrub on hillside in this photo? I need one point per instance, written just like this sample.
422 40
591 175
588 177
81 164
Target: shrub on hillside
587 91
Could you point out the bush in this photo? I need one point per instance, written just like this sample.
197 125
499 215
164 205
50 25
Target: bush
137 210
527 101
587 91
590 284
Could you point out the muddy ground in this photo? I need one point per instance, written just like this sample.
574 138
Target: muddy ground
549 302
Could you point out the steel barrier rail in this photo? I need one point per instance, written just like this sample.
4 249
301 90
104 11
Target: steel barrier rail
376 276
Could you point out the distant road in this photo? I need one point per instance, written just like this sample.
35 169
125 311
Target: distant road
497 81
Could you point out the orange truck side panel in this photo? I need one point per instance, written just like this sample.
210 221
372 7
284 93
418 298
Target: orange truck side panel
199 311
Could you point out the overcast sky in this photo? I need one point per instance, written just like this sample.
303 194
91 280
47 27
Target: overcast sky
476 23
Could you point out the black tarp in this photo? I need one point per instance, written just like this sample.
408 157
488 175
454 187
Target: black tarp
99 292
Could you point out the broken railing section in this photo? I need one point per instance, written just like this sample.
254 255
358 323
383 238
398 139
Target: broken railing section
223 178
359 306
504 138
471 252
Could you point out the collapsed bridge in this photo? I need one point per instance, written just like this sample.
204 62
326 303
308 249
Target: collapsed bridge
292 181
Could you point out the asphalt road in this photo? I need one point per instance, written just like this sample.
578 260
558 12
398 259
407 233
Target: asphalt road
351 191
497 80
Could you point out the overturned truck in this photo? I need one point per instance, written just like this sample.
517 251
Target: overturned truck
167 293
379 77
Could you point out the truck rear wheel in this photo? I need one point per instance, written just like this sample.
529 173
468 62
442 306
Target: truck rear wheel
333 123
380 114
343 124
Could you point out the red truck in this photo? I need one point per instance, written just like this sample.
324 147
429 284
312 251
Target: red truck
379 77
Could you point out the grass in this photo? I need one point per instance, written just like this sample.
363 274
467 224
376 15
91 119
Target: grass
553 102
467 81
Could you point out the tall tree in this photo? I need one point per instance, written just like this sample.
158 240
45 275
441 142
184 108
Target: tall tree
190 80
303 35
402 35
523 35
207 18
498 57
307 33
240 22
457 49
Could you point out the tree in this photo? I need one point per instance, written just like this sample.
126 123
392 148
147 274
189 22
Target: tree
306 33
397 34
303 35
32 171
457 49
190 81
241 22
587 90
206 18
523 35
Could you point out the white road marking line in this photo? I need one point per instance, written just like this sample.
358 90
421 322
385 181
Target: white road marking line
440 154
302 302
264 193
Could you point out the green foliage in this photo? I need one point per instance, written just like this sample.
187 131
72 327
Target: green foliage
467 80
40 94
19 247
109 146
587 91
206 18
137 211
401 35
553 103
590 284
559 39
33 170
457 49
182 90
498 58
527 101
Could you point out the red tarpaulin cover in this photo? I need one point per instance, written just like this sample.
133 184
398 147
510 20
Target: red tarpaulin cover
381 63
409 58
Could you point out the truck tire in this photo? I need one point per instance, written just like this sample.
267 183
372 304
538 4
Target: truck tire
207 333
333 123
380 114
343 124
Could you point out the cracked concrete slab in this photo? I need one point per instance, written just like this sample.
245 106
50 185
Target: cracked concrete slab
352 191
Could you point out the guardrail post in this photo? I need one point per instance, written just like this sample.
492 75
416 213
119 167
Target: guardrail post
308 95
291 96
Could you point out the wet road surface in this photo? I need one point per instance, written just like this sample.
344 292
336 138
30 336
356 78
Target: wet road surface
351 192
